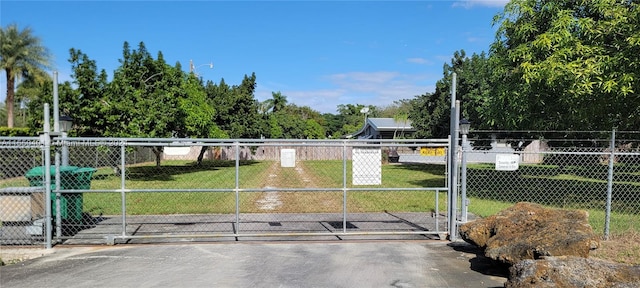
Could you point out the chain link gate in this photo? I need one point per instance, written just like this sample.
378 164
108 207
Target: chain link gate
146 190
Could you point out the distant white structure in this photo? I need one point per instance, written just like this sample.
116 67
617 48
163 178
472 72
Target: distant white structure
383 128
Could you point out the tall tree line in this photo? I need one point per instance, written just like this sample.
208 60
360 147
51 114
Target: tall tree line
554 65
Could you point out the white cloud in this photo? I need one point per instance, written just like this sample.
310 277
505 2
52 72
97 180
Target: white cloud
323 100
474 39
472 3
419 60
444 58
380 88
362 81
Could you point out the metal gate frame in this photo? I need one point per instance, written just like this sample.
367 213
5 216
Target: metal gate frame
346 217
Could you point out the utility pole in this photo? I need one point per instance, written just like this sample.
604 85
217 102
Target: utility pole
192 68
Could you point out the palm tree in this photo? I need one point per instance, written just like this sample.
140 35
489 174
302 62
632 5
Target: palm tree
21 56
401 118
277 103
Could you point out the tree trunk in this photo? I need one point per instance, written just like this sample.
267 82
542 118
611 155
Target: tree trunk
10 96
201 155
157 150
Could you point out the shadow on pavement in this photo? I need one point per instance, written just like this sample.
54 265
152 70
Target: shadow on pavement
480 263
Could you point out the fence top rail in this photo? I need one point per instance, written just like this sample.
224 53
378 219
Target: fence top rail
20 142
602 153
18 138
244 142
554 131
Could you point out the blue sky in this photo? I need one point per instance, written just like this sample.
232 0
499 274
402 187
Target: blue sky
317 53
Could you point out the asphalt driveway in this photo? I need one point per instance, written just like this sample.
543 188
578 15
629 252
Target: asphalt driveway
260 264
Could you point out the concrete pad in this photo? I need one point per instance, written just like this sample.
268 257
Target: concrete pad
260 264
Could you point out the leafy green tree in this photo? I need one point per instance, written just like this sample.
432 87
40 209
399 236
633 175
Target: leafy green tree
199 116
275 130
89 105
147 98
296 122
41 93
289 123
237 110
144 98
22 55
332 125
351 117
313 130
430 113
566 65
398 107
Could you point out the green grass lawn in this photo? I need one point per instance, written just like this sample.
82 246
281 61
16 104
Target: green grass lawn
569 187
253 175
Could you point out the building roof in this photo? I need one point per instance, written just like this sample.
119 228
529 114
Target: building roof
389 124
382 125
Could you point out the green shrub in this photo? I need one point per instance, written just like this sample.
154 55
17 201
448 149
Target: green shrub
22 131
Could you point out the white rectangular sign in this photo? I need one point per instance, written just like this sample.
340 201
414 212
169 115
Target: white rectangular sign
177 151
367 166
288 158
507 162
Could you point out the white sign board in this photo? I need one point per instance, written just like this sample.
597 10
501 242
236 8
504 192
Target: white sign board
507 162
367 166
176 151
288 158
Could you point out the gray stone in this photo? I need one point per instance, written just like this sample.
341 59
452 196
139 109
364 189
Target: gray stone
572 271
531 231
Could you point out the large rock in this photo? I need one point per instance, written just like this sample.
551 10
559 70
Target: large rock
531 231
571 271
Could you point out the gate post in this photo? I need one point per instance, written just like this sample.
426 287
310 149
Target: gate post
453 170
607 215
45 139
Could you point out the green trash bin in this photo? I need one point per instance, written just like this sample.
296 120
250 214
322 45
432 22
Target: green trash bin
83 177
71 178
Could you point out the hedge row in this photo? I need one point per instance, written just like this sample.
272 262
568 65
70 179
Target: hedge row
6 131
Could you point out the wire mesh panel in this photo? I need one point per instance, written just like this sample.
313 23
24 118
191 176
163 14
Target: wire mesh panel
557 172
22 206
330 180
625 191
147 190
209 189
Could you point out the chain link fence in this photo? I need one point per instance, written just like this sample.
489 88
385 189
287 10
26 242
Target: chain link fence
146 190
594 171
19 203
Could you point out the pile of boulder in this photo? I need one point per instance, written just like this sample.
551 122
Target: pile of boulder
547 247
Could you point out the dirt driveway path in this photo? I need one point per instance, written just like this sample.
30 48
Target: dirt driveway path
295 201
